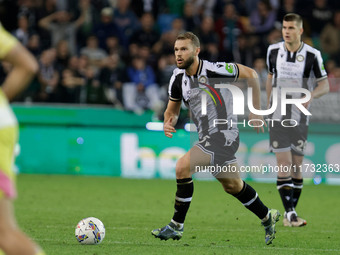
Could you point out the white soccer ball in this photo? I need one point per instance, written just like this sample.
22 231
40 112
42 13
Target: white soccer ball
90 231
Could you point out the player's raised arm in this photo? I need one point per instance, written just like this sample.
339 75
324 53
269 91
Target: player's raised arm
24 68
170 117
253 82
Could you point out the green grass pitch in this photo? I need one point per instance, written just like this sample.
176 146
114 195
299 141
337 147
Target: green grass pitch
49 207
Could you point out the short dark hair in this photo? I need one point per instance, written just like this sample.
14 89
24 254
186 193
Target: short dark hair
191 36
293 17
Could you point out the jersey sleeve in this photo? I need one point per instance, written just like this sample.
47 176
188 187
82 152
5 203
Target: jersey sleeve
224 70
175 87
7 42
318 67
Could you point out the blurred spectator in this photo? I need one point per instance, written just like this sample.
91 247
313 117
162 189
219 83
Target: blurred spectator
95 55
90 20
111 77
47 8
94 89
60 25
166 43
175 7
22 33
244 52
33 45
204 7
190 17
126 20
228 28
262 19
48 77
330 38
274 36
141 92
166 66
288 6
261 69
208 39
83 63
70 87
106 28
112 46
140 7
318 16
63 55
147 34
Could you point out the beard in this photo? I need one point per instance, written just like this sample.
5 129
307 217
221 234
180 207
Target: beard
187 63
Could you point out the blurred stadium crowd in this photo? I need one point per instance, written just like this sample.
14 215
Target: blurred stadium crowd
120 52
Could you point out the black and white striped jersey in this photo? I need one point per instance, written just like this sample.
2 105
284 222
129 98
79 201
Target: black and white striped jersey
300 69
200 89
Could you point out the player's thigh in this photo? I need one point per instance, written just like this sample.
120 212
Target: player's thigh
8 139
193 160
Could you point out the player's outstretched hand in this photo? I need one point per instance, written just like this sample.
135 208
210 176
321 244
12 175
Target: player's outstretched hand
257 121
168 128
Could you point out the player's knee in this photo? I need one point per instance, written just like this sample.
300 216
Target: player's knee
231 187
285 162
182 170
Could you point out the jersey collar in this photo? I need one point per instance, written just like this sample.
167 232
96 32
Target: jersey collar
299 49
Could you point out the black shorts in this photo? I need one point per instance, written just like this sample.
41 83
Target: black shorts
292 139
221 150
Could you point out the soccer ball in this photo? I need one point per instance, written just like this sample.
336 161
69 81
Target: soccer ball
90 231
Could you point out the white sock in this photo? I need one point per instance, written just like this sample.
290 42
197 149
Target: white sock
179 225
266 218
289 215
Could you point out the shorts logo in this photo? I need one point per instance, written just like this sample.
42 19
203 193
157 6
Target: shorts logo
300 58
275 144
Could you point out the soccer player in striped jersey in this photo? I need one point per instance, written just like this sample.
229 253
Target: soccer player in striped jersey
217 144
292 64
24 67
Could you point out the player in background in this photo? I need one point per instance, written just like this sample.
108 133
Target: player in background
292 63
217 144
24 67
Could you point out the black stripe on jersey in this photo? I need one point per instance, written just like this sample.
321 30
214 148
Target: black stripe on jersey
176 88
308 65
272 63
316 68
289 58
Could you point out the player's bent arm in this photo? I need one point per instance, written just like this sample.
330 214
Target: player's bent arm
24 68
170 117
269 88
253 82
172 112
321 89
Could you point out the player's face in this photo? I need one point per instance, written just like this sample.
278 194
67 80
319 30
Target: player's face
185 53
291 32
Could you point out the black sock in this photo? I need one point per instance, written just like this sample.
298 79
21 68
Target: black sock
297 188
249 198
285 188
185 189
